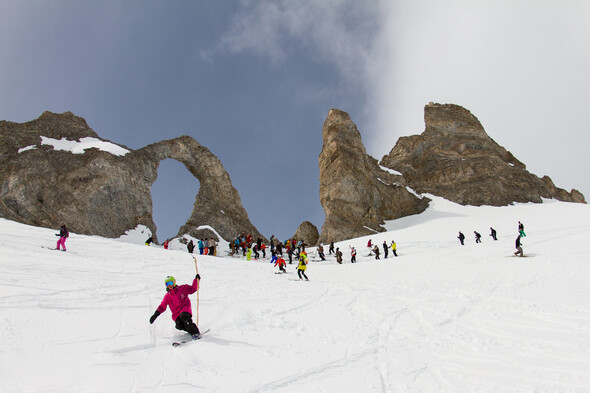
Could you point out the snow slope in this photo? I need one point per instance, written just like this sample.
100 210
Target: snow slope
439 318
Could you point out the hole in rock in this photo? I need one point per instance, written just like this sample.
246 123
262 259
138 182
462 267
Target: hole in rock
173 197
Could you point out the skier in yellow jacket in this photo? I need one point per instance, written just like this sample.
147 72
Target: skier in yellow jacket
394 247
302 266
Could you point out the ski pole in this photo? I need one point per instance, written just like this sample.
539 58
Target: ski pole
197 268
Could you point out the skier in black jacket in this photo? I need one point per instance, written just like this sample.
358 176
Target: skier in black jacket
461 238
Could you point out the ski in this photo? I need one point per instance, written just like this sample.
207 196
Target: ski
179 343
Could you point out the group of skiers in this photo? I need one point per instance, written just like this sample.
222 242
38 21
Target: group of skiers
493 234
374 248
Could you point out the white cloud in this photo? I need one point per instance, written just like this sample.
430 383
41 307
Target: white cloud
335 31
520 66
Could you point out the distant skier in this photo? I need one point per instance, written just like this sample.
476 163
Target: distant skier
376 250
212 247
394 248
521 229
149 241
321 252
249 254
166 244
385 249
477 237
338 256
461 238
200 244
519 247
190 246
263 249
180 305
302 266
352 255
63 235
493 233
281 264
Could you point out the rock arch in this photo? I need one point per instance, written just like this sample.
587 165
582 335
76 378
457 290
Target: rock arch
217 204
100 193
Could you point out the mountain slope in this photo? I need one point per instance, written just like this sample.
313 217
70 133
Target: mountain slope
440 317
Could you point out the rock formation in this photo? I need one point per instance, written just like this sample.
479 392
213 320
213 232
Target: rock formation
101 193
308 233
356 193
454 158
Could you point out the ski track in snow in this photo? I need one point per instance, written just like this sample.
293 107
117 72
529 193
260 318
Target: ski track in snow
438 318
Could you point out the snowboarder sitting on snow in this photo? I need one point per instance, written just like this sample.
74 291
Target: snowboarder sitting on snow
180 305
63 235
281 264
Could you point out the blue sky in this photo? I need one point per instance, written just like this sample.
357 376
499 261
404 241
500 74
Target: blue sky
254 80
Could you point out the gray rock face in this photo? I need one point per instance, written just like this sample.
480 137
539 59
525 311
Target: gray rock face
101 193
308 233
356 193
454 158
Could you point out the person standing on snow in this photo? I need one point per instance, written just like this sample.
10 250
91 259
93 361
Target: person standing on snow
212 247
352 255
321 252
63 235
331 250
493 233
302 266
394 248
180 305
190 246
338 256
477 237
385 249
461 238
518 247
376 250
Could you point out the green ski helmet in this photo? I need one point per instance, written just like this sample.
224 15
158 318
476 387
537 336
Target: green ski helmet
168 280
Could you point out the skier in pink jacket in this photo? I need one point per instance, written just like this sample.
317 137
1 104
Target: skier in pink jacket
180 305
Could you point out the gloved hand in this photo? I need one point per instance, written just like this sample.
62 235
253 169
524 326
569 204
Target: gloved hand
153 318
198 277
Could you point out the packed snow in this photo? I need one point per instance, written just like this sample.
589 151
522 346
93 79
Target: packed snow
79 147
440 317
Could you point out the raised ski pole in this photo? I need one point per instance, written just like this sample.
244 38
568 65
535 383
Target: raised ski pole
197 268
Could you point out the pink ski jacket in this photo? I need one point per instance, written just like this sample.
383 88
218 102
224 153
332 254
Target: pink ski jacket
177 299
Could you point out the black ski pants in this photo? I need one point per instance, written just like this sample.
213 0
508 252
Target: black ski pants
185 322
300 272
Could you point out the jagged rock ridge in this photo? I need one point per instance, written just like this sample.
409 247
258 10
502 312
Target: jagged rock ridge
356 193
455 158
105 194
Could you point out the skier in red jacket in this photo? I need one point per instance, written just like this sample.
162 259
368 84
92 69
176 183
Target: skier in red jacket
180 305
281 264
